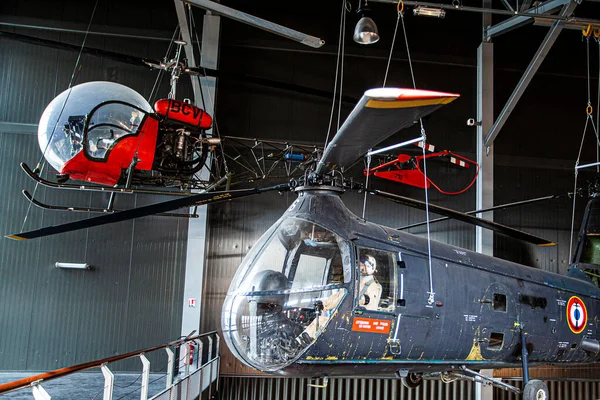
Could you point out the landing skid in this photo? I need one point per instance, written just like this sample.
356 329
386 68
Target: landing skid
104 189
91 209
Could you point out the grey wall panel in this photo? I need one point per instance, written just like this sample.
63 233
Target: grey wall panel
27 85
17 278
131 297
254 388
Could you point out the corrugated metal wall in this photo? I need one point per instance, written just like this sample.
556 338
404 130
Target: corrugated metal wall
253 388
132 296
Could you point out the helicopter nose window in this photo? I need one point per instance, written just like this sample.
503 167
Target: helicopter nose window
108 124
285 293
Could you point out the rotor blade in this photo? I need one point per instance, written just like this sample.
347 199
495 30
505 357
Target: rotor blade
193 200
379 114
290 87
155 64
494 226
111 55
495 208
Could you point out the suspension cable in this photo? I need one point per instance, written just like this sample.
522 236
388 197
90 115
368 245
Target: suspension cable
431 293
366 184
588 119
343 47
161 71
598 102
400 8
42 161
337 68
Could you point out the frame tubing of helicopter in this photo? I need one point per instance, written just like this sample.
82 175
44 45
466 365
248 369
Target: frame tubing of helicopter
578 167
395 146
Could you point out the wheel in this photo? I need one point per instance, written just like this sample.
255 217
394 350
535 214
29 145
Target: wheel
535 390
412 380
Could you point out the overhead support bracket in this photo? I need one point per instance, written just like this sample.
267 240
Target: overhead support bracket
538 58
185 29
518 21
257 22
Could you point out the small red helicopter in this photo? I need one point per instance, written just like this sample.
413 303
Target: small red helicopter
106 133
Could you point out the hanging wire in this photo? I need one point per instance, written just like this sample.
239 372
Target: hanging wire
337 69
431 297
342 71
400 8
588 119
42 161
366 184
598 105
575 188
160 75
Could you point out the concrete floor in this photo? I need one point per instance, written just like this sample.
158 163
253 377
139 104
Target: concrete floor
87 385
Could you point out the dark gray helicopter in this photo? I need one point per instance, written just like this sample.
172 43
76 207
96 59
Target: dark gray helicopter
326 293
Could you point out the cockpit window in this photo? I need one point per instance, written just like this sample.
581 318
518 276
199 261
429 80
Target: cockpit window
108 124
306 253
286 293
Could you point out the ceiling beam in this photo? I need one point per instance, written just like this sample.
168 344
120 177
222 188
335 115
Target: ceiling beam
185 32
518 21
257 22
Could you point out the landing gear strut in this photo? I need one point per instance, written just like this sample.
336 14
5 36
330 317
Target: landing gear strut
534 389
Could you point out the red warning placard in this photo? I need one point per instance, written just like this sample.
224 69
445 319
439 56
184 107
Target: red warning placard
371 325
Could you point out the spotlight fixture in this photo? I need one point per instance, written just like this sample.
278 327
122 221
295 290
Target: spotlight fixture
72 265
365 31
429 12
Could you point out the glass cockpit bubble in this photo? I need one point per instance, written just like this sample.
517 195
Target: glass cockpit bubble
61 127
285 293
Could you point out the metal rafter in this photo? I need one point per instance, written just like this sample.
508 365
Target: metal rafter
184 28
520 20
535 63
257 22
495 11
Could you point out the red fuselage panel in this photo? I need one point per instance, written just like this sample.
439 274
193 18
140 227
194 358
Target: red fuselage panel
107 171
182 112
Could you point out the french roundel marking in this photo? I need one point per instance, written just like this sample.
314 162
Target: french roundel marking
576 314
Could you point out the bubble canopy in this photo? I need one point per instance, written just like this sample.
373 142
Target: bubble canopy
60 131
285 293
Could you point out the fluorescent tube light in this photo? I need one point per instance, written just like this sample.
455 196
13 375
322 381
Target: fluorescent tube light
429 12
72 265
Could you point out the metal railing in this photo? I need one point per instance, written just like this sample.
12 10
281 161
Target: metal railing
199 375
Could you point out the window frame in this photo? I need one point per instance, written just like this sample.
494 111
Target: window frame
392 276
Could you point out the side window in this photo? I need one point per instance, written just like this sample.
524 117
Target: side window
377 279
